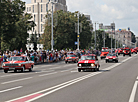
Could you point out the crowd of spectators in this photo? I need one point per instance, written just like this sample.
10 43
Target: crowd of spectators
45 56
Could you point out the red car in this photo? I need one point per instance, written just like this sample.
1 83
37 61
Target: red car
134 50
71 58
111 58
88 62
126 51
120 51
18 63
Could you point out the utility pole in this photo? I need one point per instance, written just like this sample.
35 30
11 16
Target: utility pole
78 33
104 37
95 35
52 30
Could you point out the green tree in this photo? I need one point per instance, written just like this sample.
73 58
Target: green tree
64 31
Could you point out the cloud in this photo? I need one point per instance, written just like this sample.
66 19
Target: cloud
123 12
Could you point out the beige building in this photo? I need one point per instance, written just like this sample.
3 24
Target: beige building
39 8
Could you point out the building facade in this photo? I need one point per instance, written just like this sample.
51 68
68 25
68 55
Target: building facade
39 8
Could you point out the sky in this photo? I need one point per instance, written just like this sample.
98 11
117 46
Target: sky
124 13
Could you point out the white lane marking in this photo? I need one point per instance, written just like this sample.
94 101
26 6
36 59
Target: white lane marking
48 74
92 74
73 82
55 68
65 70
16 80
45 71
133 93
73 71
11 75
50 88
10 89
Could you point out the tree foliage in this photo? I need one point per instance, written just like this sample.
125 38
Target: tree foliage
14 24
64 31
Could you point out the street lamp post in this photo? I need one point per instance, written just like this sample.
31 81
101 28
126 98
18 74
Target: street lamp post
95 35
52 29
78 33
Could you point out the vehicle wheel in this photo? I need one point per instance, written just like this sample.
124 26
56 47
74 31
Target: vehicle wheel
123 54
31 68
136 52
101 58
132 52
116 61
106 61
118 53
22 70
5 71
15 71
129 54
66 62
79 70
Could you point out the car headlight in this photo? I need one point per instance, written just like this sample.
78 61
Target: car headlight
114 58
3 64
80 65
19 64
92 65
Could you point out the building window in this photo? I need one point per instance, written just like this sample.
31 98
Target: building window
29 8
41 1
49 0
33 8
34 1
41 8
41 17
34 18
46 7
41 27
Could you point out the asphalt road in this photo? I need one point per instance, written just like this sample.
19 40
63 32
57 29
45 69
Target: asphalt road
60 82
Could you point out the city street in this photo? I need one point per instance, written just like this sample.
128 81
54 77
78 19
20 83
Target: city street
60 82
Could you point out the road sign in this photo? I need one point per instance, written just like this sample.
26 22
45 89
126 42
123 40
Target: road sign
76 43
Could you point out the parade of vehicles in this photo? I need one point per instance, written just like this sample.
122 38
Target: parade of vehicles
126 51
88 62
15 63
111 57
104 52
133 50
71 58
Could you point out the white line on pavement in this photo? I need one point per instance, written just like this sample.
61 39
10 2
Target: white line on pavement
11 75
48 74
16 80
10 89
45 71
65 70
133 93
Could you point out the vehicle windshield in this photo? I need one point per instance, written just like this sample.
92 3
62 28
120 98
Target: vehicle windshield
104 50
126 49
111 54
16 59
88 58
71 55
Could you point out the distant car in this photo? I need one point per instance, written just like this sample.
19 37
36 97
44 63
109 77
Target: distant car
71 58
126 51
134 50
120 51
104 54
88 62
18 63
111 57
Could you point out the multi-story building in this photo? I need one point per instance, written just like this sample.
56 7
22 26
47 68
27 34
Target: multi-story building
124 37
39 8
